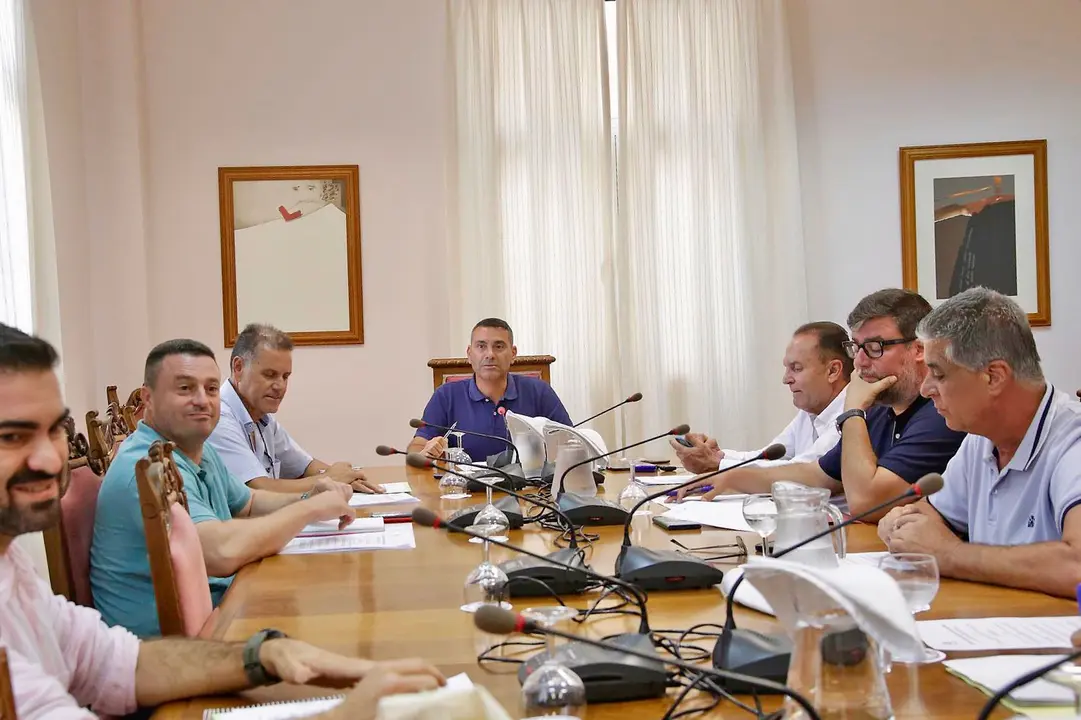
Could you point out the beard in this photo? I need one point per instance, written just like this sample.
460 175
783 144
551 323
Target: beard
902 391
35 517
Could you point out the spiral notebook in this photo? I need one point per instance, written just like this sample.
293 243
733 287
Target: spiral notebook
275 711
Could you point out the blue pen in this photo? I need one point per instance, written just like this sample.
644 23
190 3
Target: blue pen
703 489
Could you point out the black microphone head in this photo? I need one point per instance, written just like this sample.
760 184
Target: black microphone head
929 484
418 461
776 451
680 429
417 423
635 398
385 450
426 518
495 620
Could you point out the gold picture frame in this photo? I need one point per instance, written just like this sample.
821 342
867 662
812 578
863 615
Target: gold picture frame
960 207
290 251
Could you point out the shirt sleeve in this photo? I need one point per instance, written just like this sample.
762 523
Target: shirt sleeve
786 438
831 461
294 460
436 412
951 501
234 449
40 696
825 442
926 446
1065 486
102 659
552 407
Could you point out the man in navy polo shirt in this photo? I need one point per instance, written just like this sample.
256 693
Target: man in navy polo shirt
474 404
891 436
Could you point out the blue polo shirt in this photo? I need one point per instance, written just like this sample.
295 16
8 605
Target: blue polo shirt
464 403
911 444
119 565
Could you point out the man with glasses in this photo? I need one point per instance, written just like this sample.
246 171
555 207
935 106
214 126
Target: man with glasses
891 436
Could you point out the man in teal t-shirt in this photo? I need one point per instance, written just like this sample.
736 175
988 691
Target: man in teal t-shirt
119 567
236 525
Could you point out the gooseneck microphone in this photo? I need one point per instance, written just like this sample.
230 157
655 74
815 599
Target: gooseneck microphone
418 424
678 430
387 451
631 399
426 518
499 621
423 462
776 451
752 650
1036 674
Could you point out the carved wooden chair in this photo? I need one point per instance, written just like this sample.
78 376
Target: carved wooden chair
445 370
7 693
67 544
177 568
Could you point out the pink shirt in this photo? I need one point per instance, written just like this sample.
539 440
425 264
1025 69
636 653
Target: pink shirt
62 656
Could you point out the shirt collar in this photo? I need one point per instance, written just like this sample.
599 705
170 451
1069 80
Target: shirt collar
1034 438
476 395
825 420
911 410
231 399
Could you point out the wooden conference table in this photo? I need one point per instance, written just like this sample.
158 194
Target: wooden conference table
401 603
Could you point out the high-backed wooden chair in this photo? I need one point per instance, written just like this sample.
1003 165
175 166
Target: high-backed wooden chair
445 370
104 438
67 544
181 586
7 693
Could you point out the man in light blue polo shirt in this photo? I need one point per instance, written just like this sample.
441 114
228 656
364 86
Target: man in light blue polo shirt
236 525
1008 512
474 403
251 442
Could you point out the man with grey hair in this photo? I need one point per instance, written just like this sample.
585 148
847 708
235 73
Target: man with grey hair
890 436
1007 514
252 444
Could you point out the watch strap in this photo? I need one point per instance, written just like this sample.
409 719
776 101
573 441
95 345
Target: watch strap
849 414
253 667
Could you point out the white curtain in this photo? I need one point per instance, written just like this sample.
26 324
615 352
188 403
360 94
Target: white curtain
710 250
531 185
16 270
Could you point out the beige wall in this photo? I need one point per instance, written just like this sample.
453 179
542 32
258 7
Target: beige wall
874 75
145 100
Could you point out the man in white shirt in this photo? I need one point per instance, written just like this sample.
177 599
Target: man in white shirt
816 371
255 448
1008 513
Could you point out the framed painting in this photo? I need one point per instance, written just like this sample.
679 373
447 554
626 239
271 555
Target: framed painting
290 251
976 214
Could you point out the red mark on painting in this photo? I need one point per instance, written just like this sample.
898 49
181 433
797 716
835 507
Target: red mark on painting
288 215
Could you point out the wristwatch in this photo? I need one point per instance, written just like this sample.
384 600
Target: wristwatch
855 412
253 666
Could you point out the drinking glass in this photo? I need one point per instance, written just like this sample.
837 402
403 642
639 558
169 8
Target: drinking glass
553 689
917 576
760 512
453 483
485 585
493 518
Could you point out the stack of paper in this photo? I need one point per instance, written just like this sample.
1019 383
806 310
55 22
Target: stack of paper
725 513
370 499
981 634
398 487
1037 699
394 537
669 479
330 527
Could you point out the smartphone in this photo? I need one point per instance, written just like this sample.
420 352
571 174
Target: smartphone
671 524
682 440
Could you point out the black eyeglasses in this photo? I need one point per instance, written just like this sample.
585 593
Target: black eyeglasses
872 348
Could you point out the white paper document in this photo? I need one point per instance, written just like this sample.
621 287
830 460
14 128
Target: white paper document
993 673
398 487
727 514
1004 633
370 499
398 536
330 527
663 479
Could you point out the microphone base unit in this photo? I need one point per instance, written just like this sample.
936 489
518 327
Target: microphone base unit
499 481
665 570
463 518
608 675
751 653
562 580
584 510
